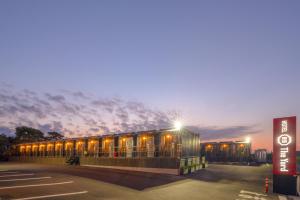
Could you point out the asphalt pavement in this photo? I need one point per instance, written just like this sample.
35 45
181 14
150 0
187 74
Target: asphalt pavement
35 181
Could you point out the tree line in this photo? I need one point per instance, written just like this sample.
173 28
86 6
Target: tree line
24 134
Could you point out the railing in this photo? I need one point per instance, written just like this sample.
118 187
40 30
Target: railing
134 152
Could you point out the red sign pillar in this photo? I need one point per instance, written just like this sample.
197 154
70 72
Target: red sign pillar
284 155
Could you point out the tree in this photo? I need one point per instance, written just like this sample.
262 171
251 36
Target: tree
5 143
54 136
28 134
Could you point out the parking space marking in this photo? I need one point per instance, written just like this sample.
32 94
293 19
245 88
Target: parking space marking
36 185
53 195
25 179
243 195
8 172
282 197
10 175
252 193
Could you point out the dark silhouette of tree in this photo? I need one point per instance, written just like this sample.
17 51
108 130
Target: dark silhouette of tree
28 134
54 136
5 144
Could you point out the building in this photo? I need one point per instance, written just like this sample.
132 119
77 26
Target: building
226 151
261 155
155 148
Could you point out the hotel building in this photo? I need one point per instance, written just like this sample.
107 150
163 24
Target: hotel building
166 148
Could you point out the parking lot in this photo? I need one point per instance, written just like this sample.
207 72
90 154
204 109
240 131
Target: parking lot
34 181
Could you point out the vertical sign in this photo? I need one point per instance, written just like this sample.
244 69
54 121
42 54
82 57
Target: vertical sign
284 146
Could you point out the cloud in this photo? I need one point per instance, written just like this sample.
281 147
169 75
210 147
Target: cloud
214 133
6 131
76 94
49 127
55 98
77 113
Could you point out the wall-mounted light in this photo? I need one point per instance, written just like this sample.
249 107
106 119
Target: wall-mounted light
247 140
177 125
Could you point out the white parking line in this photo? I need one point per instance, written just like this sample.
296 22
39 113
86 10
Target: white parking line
37 185
9 175
243 195
252 193
53 195
8 172
25 179
282 197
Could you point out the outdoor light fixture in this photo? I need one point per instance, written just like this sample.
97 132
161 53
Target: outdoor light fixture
177 125
247 139
144 138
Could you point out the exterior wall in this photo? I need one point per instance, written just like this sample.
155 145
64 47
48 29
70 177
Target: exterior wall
145 145
125 146
107 147
226 151
69 148
50 149
190 143
58 149
93 147
130 149
261 155
170 163
80 147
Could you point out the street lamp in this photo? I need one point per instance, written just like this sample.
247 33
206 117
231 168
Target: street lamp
177 125
247 139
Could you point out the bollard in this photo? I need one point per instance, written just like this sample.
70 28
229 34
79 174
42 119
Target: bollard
267 184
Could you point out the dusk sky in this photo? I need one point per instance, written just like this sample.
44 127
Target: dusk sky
224 68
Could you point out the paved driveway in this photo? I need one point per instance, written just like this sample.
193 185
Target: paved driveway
33 181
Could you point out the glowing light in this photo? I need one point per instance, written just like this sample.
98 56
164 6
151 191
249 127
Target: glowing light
177 125
123 139
284 140
168 136
247 139
144 138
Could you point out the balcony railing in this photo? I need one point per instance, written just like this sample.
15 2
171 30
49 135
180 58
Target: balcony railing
134 152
